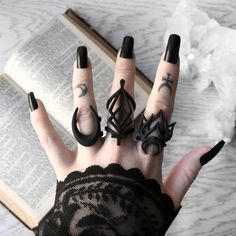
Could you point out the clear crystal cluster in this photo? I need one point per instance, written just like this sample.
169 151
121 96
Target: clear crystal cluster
208 56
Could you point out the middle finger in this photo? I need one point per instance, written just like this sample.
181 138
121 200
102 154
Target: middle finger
121 104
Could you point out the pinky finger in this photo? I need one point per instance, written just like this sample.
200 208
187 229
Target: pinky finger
59 155
182 175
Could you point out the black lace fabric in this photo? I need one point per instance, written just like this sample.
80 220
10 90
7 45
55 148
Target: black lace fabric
108 201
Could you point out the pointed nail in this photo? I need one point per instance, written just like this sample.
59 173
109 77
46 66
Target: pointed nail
127 47
212 153
172 49
82 57
32 101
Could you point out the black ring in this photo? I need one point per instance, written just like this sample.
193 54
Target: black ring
120 119
90 139
154 131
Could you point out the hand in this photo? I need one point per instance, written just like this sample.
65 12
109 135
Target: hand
129 153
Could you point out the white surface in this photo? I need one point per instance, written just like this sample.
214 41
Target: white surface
209 207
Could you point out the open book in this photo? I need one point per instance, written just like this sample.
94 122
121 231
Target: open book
44 65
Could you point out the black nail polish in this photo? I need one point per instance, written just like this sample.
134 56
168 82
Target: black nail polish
212 153
32 101
127 47
82 57
172 49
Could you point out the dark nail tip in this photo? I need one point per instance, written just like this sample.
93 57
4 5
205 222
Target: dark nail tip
32 101
82 48
175 37
82 57
129 38
172 49
127 47
212 153
218 146
30 94
221 143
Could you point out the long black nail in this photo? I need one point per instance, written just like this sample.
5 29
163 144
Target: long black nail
82 57
172 49
32 101
127 47
212 153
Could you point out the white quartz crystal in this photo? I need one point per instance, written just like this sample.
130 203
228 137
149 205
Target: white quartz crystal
208 55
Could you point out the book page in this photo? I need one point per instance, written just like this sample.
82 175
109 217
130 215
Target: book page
44 65
26 175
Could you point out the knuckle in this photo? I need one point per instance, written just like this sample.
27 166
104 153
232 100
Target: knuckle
189 174
39 119
85 121
124 67
85 113
163 105
48 140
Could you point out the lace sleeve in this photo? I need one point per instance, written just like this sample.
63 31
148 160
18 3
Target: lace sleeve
108 201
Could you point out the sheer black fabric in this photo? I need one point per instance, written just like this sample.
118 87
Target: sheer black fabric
108 201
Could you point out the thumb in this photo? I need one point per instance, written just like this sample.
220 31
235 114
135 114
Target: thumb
186 170
59 155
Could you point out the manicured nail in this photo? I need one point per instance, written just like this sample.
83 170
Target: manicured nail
212 153
32 101
127 47
172 49
82 57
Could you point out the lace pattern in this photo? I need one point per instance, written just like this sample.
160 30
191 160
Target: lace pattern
108 201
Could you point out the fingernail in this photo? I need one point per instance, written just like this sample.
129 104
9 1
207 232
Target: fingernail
172 49
82 57
212 153
127 47
32 101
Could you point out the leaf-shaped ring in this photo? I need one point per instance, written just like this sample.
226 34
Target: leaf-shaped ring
154 131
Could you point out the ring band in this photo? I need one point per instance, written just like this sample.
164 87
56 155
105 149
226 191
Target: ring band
90 139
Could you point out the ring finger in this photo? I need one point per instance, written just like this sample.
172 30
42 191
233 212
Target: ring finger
154 131
121 104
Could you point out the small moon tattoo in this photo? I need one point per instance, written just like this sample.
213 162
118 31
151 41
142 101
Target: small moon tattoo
167 83
83 89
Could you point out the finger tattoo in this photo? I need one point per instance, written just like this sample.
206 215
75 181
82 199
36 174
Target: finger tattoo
82 89
167 82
